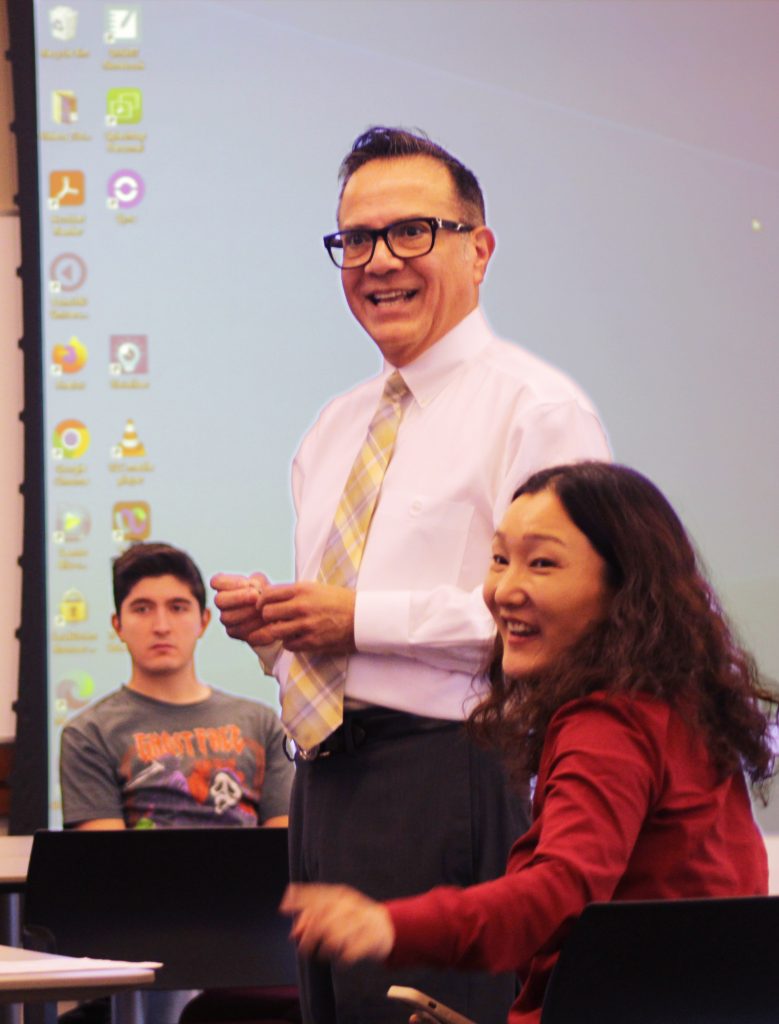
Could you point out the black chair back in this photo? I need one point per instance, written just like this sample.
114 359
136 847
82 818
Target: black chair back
704 961
204 902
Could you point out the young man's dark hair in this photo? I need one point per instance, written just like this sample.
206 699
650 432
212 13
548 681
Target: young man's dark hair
143 560
381 143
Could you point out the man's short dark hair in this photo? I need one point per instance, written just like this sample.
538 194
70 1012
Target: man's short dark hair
382 143
140 561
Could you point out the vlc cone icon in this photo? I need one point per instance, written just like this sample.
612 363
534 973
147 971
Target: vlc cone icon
131 445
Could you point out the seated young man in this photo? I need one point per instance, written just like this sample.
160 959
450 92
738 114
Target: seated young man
167 750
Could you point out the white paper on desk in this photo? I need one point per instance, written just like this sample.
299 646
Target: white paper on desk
70 963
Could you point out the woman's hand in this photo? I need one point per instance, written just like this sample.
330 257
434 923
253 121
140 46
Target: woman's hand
336 922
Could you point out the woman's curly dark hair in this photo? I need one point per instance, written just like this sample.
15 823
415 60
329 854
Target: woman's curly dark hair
665 634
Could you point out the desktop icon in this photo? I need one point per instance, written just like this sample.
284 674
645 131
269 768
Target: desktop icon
66 188
131 521
70 439
73 607
64 106
129 354
72 524
122 23
63 21
76 689
124 106
130 446
69 357
67 273
125 190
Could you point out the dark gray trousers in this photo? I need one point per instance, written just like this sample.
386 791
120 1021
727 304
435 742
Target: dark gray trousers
401 804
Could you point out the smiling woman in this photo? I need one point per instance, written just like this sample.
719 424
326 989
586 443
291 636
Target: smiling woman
659 630
547 586
618 684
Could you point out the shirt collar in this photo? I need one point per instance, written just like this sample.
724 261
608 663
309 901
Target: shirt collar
429 374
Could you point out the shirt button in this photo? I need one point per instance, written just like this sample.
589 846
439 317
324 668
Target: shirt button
415 507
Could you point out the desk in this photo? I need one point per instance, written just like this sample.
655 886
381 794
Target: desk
14 858
65 977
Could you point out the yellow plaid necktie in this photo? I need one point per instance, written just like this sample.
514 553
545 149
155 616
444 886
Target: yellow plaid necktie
312 704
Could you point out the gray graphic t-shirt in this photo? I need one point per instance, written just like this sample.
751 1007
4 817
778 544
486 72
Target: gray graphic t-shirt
219 761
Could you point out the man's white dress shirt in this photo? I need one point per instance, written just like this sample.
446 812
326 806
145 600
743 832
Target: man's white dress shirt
484 416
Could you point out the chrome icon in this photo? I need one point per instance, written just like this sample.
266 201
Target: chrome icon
70 439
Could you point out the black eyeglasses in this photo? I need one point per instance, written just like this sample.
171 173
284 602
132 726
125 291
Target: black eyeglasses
405 239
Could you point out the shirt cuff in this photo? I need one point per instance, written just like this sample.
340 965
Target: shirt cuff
268 655
381 620
418 935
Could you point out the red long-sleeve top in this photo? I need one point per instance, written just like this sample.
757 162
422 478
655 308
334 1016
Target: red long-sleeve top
627 806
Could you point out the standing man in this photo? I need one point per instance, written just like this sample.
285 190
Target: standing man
381 645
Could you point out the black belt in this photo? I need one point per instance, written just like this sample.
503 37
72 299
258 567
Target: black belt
360 728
